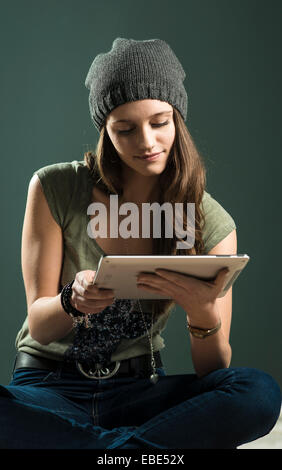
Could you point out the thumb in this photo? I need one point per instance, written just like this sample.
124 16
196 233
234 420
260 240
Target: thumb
219 280
221 276
90 275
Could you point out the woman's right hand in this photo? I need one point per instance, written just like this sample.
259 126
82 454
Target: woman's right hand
86 296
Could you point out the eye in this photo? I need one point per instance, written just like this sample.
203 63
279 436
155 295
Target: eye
153 125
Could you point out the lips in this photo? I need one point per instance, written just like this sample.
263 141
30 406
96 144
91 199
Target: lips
150 156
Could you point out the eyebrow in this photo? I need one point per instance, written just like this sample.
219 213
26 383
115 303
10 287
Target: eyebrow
157 114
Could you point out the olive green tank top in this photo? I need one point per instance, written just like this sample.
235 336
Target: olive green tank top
68 190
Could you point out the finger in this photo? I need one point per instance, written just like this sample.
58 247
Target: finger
161 285
150 288
90 275
86 278
177 278
220 280
221 276
100 293
91 307
94 296
152 279
93 292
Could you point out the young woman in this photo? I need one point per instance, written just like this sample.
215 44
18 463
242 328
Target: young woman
88 372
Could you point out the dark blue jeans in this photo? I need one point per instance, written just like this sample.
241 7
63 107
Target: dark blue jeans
59 410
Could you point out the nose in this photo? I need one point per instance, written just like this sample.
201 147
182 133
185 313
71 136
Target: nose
146 140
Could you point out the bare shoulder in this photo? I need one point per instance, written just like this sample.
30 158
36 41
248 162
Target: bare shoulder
227 246
37 208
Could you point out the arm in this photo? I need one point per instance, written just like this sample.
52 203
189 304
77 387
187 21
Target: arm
214 352
42 254
204 310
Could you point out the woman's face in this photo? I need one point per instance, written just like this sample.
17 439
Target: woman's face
142 127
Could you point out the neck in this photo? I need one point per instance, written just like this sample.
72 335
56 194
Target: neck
140 188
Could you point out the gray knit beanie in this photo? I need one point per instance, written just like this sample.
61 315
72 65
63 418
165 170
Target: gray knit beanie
135 70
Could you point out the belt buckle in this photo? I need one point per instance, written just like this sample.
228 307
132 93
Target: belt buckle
99 373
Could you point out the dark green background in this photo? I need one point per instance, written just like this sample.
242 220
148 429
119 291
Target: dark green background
231 53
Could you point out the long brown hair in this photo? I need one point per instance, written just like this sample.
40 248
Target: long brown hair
183 180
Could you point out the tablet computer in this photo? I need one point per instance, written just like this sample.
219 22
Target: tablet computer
119 272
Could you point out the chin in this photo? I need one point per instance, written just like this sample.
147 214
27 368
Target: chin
151 172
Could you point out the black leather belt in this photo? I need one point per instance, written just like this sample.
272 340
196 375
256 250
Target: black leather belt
139 366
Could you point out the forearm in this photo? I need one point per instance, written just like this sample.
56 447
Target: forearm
48 321
214 351
211 353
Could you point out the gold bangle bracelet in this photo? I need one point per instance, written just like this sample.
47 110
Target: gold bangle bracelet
202 333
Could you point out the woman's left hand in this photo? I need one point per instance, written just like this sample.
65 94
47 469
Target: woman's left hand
195 296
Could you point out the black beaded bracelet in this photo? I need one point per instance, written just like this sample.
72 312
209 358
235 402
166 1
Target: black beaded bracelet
66 294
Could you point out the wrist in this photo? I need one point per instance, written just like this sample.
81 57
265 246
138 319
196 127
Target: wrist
65 296
202 333
204 319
